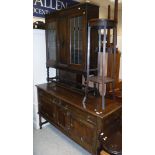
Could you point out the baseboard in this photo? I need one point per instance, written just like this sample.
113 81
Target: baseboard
35 124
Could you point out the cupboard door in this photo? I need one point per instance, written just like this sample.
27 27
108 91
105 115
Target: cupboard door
51 42
77 41
62 118
82 132
48 111
46 106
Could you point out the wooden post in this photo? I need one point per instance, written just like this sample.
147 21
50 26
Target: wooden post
108 50
116 11
108 35
116 16
111 55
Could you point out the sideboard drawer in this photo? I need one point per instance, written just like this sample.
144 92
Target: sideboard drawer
43 96
43 93
85 116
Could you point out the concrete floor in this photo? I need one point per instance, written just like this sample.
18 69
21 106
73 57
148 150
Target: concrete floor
50 141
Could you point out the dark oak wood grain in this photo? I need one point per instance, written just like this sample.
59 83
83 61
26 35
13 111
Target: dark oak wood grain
66 51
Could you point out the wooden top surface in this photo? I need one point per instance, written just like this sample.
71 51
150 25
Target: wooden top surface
75 99
84 4
100 23
98 79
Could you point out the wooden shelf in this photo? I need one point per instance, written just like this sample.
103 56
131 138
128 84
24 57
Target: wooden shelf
100 23
98 79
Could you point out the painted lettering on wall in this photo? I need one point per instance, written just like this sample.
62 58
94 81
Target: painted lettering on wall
42 7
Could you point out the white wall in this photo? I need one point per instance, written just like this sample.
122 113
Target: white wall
39 68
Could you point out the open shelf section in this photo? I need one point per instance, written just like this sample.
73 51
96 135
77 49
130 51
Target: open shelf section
98 79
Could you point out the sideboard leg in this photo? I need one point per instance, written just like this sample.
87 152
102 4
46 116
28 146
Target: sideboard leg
40 123
48 74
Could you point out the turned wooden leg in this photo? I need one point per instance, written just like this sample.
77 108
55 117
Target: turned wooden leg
40 123
113 90
48 74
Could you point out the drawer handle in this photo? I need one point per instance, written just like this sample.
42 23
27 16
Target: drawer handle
56 101
89 120
101 134
66 107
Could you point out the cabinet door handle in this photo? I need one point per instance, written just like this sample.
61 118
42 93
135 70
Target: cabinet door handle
105 138
81 139
68 113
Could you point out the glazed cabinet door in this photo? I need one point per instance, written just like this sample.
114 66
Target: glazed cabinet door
77 33
62 41
51 42
82 132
